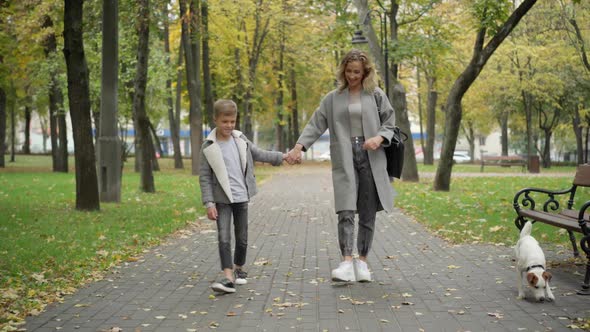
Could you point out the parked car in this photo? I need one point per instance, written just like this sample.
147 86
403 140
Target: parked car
461 157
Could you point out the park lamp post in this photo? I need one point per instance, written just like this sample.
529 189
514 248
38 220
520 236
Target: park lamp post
358 38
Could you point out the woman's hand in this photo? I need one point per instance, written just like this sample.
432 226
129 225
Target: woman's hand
373 143
294 156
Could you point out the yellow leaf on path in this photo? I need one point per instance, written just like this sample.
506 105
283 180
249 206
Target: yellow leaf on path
453 267
230 314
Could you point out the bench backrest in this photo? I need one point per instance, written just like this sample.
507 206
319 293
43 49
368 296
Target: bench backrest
582 177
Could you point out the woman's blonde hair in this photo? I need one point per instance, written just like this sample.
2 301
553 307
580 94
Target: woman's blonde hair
369 82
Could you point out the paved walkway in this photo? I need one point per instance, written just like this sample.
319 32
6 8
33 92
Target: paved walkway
422 283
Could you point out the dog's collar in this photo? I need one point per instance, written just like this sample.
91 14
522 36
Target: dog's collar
534 266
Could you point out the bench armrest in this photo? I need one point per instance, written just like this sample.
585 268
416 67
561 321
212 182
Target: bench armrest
525 199
582 220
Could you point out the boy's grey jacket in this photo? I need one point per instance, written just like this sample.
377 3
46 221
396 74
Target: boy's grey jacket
213 175
333 114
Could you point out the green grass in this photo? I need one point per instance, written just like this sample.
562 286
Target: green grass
479 209
476 168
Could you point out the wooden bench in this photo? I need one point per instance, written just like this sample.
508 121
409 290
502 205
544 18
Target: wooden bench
556 208
506 161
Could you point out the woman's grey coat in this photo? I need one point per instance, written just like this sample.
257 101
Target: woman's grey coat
213 175
377 121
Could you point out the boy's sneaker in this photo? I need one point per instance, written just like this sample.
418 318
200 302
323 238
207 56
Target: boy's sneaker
344 272
224 286
362 271
240 277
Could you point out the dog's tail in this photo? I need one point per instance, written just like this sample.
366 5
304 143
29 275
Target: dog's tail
526 229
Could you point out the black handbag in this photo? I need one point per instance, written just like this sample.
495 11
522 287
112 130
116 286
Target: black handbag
394 153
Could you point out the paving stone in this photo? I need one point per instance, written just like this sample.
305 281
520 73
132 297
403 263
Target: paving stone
293 226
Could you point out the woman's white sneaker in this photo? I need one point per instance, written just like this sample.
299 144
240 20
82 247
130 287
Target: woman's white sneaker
344 272
362 271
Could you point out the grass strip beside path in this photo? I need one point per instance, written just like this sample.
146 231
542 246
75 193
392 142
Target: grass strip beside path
479 209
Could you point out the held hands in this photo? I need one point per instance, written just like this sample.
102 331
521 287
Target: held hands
373 143
294 155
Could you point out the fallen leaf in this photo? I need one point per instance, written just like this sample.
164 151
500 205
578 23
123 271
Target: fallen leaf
160 317
496 315
230 314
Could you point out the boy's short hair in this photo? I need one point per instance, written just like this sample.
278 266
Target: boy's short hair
225 107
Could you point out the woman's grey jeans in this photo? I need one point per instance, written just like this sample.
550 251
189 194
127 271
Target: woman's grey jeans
367 204
224 218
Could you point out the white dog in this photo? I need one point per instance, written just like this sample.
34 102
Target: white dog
531 260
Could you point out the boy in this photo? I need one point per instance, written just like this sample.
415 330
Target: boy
227 184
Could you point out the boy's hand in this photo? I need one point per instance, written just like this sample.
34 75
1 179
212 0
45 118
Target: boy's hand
294 156
212 213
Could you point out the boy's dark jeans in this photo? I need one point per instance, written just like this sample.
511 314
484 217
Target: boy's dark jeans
224 218
367 205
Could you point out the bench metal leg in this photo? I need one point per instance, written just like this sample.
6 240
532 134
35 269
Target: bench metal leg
519 222
574 244
585 244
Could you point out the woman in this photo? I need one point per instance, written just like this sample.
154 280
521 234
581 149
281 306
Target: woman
361 121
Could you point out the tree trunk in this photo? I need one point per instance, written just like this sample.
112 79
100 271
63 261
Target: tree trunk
397 94
171 118
194 96
2 110
43 125
2 127
142 125
294 108
156 146
238 94
79 98
504 129
470 136
280 126
12 133
577 126
175 118
260 32
528 111
13 129
547 125
546 155
206 65
420 116
53 133
196 117
27 143
453 108
107 133
430 120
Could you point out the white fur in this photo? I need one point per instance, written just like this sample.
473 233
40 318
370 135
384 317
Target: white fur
529 253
